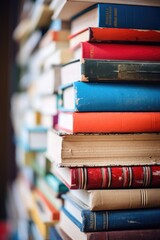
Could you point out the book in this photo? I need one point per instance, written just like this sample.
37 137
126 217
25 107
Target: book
143 234
89 221
121 35
52 36
50 212
66 9
110 97
58 24
116 199
33 138
57 233
56 184
55 214
71 150
116 122
91 178
119 51
49 120
118 16
49 193
103 70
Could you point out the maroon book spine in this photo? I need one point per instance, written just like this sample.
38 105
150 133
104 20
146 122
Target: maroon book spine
115 177
147 234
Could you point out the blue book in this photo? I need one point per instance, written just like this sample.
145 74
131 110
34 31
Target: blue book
56 184
88 221
110 97
122 16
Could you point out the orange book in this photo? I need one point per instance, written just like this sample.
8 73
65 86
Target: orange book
96 34
55 212
52 35
109 122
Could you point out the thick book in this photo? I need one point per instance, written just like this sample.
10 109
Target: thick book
141 234
103 149
88 221
111 122
104 70
123 35
109 177
118 16
110 97
116 199
66 9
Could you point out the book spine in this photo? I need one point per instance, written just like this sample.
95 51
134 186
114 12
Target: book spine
112 15
123 35
102 70
127 199
120 51
117 220
94 97
115 177
145 234
116 122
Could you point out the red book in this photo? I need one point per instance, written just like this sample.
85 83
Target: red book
109 177
112 122
117 51
96 34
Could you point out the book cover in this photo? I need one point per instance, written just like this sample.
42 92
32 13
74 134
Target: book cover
55 184
110 97
117 16
67 9
104 70
116 199
116 122
110 177
88 221
141 234
99 35
73 150
119 51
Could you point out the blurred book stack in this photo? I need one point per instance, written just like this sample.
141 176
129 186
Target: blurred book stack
87 120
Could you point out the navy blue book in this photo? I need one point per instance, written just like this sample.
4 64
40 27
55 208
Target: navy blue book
88 221
110 97
108 15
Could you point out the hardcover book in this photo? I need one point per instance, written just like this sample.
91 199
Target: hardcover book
121 35
103 149
109 177
110 97
118 16
103 70
66 9
88 221
116 122
117 199
141 234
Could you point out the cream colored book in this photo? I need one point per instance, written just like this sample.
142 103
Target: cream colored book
117 199
103 149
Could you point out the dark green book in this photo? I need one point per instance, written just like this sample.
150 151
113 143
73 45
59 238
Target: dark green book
95 70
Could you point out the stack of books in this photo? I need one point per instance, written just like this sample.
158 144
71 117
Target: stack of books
105 147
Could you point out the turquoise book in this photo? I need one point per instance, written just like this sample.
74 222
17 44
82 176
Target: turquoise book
110 97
